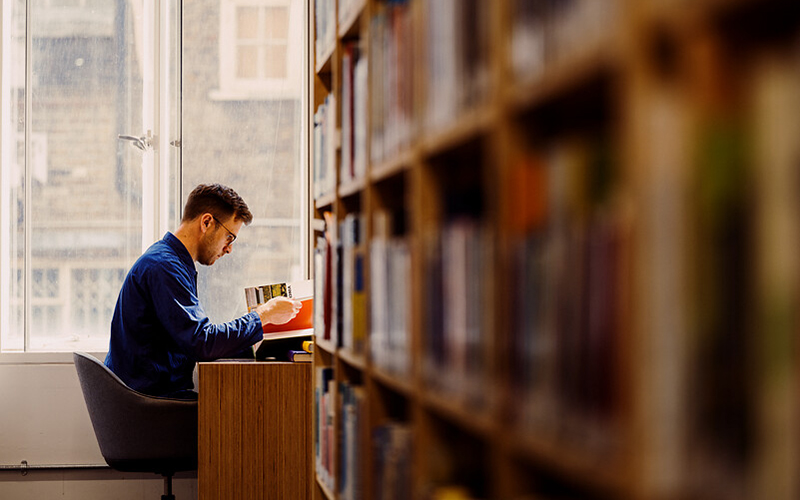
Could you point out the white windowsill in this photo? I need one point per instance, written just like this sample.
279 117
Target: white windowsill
42 358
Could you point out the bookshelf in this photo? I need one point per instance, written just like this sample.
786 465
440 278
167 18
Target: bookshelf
558 257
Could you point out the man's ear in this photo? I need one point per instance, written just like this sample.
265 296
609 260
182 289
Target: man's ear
205 222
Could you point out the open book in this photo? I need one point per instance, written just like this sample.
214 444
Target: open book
279 340
303 324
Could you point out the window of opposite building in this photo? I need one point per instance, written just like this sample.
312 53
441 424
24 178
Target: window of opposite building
261 49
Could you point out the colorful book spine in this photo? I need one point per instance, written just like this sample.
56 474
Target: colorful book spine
299 356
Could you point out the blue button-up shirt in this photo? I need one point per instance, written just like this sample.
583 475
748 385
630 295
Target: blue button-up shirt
160 331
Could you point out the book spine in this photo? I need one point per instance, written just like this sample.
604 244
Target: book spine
325 147
346 173
352 399
360 92
325 397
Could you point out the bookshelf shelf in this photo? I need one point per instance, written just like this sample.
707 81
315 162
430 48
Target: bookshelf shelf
325 200
546 191
324 60
326 492
591 65
352 188
393 166
325 345
402 386
354 360
478 422
594 470
349 27
471 125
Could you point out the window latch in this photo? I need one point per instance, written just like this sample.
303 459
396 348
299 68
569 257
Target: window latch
144 142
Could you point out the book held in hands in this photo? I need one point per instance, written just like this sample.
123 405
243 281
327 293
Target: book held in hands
280 339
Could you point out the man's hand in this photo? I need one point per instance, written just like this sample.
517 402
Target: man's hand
278 310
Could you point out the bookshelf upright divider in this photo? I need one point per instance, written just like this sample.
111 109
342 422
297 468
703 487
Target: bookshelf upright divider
551 259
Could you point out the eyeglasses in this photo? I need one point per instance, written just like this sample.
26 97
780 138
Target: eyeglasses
231 236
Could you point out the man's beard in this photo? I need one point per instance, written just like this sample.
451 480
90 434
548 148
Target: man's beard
205 254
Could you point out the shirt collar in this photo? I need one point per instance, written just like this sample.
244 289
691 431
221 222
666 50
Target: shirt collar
180 249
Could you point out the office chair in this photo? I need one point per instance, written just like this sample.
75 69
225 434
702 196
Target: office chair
137 432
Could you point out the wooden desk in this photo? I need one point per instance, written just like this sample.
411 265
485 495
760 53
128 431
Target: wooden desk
254 431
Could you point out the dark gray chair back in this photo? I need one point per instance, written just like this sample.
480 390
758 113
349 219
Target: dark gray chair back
137 432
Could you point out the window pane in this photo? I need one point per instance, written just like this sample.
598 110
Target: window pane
276 23
246 62
253 146
13 149
247 22
275 61
81 210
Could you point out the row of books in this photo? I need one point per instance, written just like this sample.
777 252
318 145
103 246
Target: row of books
568 259
340 316
547 32
457 39
352 417
457 58
392 80
324 27
324 429
325 146
390 444
354 113
390 298
459 310
391 465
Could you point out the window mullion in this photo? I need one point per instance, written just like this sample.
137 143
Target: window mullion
27 285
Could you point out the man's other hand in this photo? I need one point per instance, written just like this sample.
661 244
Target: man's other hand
278 310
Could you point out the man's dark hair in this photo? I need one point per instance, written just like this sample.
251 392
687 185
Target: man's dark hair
218 200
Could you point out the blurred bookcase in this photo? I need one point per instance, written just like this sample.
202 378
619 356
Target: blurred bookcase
556 248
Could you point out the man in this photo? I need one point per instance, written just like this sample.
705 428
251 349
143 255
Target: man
159 330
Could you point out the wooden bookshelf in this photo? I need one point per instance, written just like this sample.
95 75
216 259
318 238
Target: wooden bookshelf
393 166
604 184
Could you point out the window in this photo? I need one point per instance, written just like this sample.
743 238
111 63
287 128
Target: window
71 194
262 36
250 139
78 205
260 49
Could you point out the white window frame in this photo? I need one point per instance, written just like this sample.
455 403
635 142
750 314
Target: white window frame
233 88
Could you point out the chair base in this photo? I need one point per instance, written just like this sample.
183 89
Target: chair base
167 488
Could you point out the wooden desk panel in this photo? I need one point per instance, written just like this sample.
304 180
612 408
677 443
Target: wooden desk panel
254 431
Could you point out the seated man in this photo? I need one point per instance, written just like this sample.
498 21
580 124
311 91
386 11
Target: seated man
159 330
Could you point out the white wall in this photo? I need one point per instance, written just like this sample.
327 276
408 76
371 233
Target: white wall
44 421
43 418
